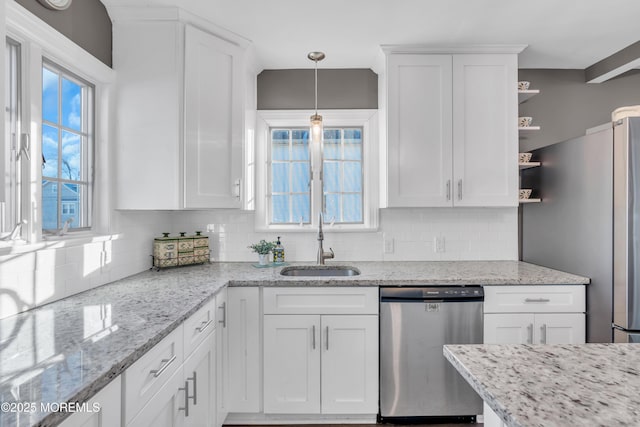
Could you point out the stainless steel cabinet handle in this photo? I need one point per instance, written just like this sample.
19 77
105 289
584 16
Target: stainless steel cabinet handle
204 326
237 188
530 331
459 189
313 337
448 190
185 408
194 378
327 338
537 300
223 307
166 362
543 334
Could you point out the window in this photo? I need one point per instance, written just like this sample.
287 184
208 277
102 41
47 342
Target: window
342 175
337 178
290 176
66 149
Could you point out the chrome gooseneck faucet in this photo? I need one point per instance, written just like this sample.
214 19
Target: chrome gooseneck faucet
322 255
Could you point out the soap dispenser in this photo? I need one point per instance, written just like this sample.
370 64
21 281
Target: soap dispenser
278 252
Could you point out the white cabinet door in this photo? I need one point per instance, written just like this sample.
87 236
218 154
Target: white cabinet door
349 364
213 121
109 415
149 107
562 328
291 364
222 358
200 378
166 409
245 362
530 328
508 328
419 133
485 130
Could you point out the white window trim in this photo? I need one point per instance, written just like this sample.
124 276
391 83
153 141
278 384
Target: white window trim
39 40
366 119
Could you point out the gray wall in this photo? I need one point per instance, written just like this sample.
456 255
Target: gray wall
86 22
337 89
567 106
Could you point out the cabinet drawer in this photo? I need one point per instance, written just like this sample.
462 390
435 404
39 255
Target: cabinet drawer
198 326
325 300
534 299
149 373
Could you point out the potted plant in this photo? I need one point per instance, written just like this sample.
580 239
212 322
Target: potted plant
262 248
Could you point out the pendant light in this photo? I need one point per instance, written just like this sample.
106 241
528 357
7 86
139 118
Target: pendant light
316 119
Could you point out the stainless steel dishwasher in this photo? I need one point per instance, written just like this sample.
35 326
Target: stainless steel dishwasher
416 381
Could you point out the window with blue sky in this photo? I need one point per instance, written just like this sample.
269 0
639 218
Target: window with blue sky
342 177
66 150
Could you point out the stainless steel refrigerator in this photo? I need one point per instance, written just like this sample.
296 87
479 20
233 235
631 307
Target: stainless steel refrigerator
588 223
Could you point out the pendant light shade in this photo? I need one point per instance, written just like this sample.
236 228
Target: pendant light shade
316 119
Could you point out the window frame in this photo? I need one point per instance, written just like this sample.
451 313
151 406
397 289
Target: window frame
367 120
86 132
13 156
39 42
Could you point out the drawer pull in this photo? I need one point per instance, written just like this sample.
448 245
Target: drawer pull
203 326
166 362
185 408
313 337
537 300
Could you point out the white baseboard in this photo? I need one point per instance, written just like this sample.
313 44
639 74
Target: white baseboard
267 419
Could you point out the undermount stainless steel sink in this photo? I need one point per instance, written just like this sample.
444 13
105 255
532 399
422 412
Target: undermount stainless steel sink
320 270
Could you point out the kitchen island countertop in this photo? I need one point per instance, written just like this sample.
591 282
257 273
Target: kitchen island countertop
554 385
70 349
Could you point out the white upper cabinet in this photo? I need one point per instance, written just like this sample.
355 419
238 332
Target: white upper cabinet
452 135
213 121
419 154
485 130
180 114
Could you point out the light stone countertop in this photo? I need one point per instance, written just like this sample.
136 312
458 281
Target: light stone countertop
555 385
68 350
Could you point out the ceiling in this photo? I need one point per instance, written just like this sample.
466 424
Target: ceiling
559 33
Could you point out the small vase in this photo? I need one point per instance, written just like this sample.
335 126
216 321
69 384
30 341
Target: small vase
263 260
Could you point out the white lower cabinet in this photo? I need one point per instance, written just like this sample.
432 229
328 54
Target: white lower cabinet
349 365
534 328
222 359
320 363
109 400
244 325
176 383
201 384
167 406
291 364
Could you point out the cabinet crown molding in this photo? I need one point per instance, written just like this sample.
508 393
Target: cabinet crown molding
444 49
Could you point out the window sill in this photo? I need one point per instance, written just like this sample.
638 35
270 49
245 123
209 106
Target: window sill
54 242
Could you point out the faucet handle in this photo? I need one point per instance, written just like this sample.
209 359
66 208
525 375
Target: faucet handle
333 255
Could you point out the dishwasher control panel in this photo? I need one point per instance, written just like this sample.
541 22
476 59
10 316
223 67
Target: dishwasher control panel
425 293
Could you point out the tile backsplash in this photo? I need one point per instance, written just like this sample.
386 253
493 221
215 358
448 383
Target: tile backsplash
407 234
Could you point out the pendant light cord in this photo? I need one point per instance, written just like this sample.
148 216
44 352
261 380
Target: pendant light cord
316 61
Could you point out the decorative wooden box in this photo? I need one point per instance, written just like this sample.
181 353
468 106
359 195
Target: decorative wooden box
181 250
